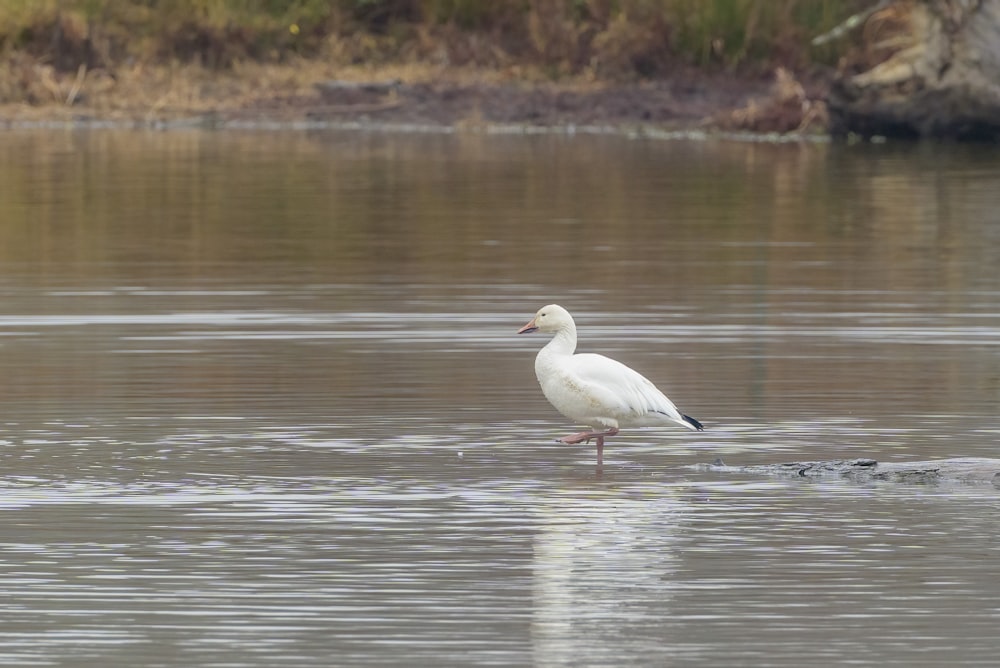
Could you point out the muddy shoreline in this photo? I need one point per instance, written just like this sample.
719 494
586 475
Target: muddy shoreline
687 103
963 470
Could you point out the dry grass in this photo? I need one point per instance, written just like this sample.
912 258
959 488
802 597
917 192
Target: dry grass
787 108
150 91
193 56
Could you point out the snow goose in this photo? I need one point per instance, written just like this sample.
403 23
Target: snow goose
593 389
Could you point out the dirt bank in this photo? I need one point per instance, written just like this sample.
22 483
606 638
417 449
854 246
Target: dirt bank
963 470
307 92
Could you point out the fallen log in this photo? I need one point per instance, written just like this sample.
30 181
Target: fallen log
968 470
930 68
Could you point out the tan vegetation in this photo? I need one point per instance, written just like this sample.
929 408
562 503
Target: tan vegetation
163 57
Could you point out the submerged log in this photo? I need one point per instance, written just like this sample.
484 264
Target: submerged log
970 470
932 69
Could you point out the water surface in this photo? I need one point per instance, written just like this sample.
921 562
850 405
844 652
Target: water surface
264 403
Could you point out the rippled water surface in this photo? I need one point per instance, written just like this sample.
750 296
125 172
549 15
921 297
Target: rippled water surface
264 404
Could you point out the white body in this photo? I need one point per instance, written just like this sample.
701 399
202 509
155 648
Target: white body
593 389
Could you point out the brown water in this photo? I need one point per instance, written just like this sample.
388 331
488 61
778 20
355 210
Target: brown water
263 403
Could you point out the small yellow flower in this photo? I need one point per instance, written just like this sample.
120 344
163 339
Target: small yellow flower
294 28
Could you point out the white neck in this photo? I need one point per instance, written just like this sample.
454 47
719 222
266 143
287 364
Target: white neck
563 343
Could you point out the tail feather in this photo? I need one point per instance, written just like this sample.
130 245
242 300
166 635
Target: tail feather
697 426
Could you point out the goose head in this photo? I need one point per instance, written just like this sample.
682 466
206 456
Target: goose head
551 318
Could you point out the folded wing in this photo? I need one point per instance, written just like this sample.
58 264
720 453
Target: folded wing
624 393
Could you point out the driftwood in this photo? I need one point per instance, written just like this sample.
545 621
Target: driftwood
969 470
930 68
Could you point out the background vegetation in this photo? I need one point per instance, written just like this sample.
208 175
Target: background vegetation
564 37
188 55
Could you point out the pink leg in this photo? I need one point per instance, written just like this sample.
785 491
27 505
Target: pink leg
583 436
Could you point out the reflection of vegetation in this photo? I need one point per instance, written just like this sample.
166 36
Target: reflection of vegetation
124 207
765 244
564 37
428 207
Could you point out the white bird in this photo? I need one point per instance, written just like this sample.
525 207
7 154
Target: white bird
593 389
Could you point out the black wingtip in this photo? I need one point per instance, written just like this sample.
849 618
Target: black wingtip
694 423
